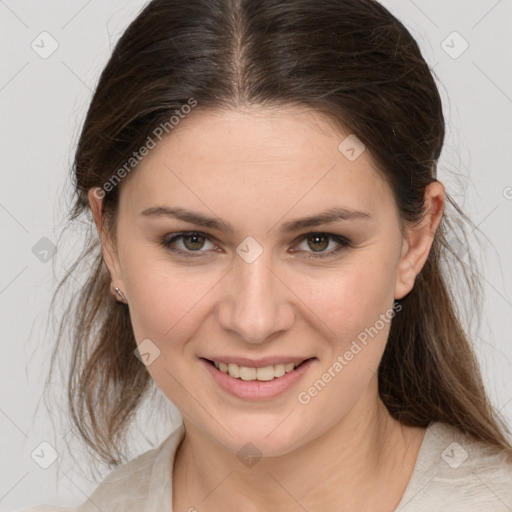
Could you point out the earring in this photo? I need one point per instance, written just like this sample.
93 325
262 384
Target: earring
120 293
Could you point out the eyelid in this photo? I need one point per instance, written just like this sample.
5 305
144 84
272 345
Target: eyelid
343 243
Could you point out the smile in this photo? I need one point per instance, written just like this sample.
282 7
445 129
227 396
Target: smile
256 383
249 373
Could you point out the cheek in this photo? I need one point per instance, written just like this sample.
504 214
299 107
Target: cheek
168 306
165 300
358 306
350 297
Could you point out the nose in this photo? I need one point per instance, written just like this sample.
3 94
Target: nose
256 305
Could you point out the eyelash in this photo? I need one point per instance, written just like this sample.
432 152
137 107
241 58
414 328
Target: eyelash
344 244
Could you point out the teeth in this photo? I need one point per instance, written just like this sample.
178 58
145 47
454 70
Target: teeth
234 370
263 374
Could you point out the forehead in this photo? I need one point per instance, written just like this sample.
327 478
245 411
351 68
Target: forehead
260 158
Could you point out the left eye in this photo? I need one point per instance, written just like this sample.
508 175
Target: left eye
321 241
193 242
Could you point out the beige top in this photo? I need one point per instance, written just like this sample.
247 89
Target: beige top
453 473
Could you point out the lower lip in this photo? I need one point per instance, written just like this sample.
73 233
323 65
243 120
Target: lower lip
255 389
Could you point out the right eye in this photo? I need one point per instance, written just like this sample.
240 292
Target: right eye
192 242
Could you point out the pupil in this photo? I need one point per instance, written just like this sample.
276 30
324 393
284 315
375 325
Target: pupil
195 245
315 239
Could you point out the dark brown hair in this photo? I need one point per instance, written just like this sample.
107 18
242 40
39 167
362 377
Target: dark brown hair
351 60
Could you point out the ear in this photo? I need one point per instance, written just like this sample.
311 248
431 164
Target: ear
418 240
95 196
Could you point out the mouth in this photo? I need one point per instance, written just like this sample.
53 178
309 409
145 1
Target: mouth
257 383
262 374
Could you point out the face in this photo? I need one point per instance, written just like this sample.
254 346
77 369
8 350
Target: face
253 285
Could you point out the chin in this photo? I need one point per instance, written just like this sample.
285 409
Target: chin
261 435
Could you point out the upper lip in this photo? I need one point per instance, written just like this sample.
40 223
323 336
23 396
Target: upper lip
257 363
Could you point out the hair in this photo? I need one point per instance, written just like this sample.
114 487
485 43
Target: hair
351 61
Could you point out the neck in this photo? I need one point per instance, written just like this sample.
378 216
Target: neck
366 458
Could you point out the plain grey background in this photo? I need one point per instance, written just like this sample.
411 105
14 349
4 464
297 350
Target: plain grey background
43 100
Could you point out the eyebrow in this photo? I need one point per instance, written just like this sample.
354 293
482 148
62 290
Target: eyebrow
326 217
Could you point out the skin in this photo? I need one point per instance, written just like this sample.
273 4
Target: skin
256 169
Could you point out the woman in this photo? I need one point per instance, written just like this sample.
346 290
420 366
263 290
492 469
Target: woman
271 253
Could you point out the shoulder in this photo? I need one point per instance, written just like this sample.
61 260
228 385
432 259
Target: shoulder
130 484
459 473
127 483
